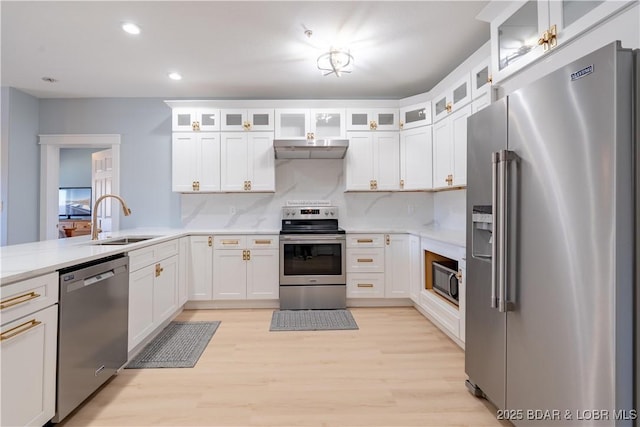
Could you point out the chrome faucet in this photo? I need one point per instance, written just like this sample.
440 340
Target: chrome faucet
95 230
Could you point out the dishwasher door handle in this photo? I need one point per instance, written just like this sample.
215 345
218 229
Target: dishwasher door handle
90 281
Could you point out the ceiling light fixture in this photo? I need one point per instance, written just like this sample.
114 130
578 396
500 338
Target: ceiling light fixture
336 61
175 76
131 28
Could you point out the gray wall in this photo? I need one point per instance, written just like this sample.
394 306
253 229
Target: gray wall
145 153
22 169
75 167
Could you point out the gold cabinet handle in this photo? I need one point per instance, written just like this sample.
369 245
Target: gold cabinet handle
448 107
244 255
24 327
246 126
365 259
459 275
365 285
248 255
195 125
210 241
365 240
402 183
401 124
10 302
262 242
373 125
159 269
249 185
387 240
230 242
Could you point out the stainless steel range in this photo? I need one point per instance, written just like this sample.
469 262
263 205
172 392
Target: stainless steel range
312 259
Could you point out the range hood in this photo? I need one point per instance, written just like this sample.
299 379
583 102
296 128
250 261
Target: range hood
310 149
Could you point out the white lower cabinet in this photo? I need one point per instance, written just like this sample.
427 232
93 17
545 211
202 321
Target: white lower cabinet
416 269
246 267
183 271
153 288
28 348
378 265
200 268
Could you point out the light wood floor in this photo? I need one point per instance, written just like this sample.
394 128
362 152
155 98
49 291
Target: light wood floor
396 370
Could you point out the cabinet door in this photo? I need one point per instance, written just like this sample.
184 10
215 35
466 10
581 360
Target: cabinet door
140 305
514 36
229 274
459 145
461 92
359 119
365 285
165 289
28 377
415 269
415 116
386 147
263 274
208 119
209 159
260 119
397 266
233 162
481 79
292 123
183 119
358 162
233 120
416 161
261 171
201 268
387 119
328 123
442 151
439 106
185 154
183 271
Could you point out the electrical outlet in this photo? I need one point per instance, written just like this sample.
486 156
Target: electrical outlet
232 210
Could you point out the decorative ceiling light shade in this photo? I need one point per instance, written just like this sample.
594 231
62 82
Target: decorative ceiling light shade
336 61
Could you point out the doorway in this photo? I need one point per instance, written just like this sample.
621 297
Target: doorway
50 146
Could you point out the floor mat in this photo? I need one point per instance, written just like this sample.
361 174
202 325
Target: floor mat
312 320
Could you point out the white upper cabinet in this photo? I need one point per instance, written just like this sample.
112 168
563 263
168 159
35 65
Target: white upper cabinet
416 159
450 150
372 162
327 123
526 30
186 119
481 79
453 98
247 162
415 116
364 119
195 162
246 120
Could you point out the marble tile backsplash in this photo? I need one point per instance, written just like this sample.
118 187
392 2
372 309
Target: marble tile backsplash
318 179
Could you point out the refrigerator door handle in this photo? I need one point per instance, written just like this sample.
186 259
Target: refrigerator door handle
495 161
505 157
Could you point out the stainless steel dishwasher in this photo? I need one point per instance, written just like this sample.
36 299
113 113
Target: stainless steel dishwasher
93 328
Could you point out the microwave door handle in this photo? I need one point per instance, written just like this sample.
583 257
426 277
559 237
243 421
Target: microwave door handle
495 161
451 276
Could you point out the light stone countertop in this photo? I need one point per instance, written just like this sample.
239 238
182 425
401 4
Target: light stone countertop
24 261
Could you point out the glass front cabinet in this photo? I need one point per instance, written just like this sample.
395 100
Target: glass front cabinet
324 123
375 119
453 98
415 116
246 120
184 119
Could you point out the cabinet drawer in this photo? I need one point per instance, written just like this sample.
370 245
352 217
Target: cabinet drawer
443 312
262 242
140 258
365 240
365 260
230 242
365 285
22 298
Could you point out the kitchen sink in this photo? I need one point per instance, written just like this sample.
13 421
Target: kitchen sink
123 240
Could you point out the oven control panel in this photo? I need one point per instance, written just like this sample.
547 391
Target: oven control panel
315 212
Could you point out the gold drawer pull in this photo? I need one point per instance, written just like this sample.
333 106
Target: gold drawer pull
365 285
230 242
365 259
18 300
365 240
263 242
19 329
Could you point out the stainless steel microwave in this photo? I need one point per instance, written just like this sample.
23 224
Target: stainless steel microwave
445 279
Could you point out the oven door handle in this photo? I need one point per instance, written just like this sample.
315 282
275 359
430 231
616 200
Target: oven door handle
315 237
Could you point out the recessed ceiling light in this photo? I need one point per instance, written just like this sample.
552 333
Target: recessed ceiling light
175 76
49 79
131 28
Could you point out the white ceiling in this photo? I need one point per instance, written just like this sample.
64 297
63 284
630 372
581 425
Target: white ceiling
234 49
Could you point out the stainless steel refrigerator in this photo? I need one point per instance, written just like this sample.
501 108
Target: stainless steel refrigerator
551 247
